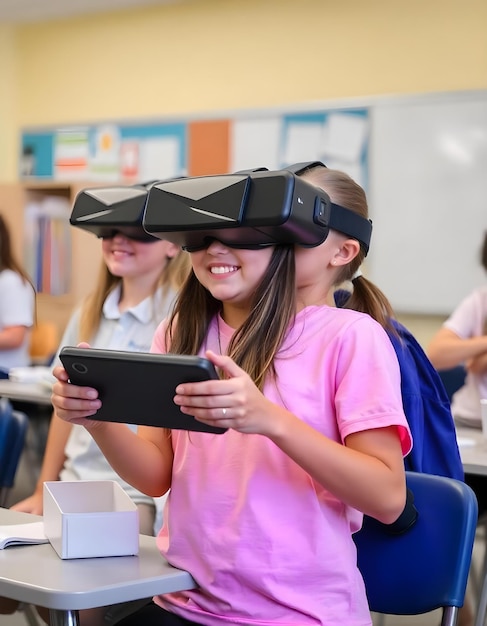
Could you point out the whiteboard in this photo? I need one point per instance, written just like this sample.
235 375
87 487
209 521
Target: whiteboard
428 199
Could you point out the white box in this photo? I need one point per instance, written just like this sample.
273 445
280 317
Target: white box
90 518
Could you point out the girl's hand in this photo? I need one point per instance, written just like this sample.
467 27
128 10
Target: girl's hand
234 402
72 403
33 504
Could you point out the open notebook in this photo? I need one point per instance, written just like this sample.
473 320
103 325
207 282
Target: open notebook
22 534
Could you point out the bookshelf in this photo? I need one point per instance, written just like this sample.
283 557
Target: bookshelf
85 256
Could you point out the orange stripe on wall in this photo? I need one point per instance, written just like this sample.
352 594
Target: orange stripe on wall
71 163
209 147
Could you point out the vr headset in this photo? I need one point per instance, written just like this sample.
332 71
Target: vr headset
247 209
105 211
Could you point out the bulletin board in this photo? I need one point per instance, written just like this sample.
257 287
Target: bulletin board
422 160
134 152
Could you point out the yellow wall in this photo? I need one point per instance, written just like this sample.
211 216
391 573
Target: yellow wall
219 54
8 102
206 55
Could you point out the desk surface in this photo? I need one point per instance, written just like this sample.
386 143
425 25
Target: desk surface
37 575
473 450
37 393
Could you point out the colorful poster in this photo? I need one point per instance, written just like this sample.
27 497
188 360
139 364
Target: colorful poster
71 154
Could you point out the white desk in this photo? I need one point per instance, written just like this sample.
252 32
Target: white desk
35 393
473 450
36 575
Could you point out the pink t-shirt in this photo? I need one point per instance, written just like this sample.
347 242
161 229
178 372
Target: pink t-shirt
266 543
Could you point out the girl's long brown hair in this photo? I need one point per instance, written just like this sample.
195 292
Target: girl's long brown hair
7 258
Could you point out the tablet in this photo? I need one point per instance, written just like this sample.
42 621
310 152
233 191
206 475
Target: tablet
138 387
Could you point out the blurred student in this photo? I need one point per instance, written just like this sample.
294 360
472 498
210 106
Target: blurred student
136 288
17 307
462 340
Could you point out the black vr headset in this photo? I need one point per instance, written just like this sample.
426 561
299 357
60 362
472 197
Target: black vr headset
247 209
105 211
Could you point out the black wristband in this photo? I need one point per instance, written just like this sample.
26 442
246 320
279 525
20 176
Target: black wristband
406 520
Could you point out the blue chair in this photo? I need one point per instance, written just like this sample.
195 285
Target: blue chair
426 567
453 379
13 432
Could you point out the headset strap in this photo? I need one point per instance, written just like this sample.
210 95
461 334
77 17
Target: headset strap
349 223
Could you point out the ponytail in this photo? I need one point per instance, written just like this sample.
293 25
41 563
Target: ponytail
368 298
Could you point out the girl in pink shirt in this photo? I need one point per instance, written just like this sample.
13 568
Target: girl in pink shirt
263 515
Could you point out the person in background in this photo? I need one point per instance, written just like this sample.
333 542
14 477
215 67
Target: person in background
17 307
462 340
136 288
311 427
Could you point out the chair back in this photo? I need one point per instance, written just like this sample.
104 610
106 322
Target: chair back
453 379
426 567
13 431
44 341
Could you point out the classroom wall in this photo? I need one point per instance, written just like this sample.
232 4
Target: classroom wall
202 56
205 55
8 101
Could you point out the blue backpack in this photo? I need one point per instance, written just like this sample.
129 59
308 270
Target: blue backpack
427 409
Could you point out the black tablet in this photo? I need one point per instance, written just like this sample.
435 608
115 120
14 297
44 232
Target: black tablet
138 387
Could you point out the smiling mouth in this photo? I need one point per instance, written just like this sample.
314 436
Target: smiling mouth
223 269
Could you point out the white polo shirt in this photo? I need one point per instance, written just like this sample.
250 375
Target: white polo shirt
17 306
468 320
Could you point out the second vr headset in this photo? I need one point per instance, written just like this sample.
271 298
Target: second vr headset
104 211
246 209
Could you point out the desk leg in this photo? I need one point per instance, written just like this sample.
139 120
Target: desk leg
63 618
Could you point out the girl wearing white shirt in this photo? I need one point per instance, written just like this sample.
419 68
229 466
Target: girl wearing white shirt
17 307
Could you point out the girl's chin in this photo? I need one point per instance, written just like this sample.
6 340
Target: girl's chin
118 269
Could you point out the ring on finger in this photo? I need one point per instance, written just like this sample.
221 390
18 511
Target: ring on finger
224 411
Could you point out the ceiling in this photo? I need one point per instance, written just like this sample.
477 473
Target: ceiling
21 11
